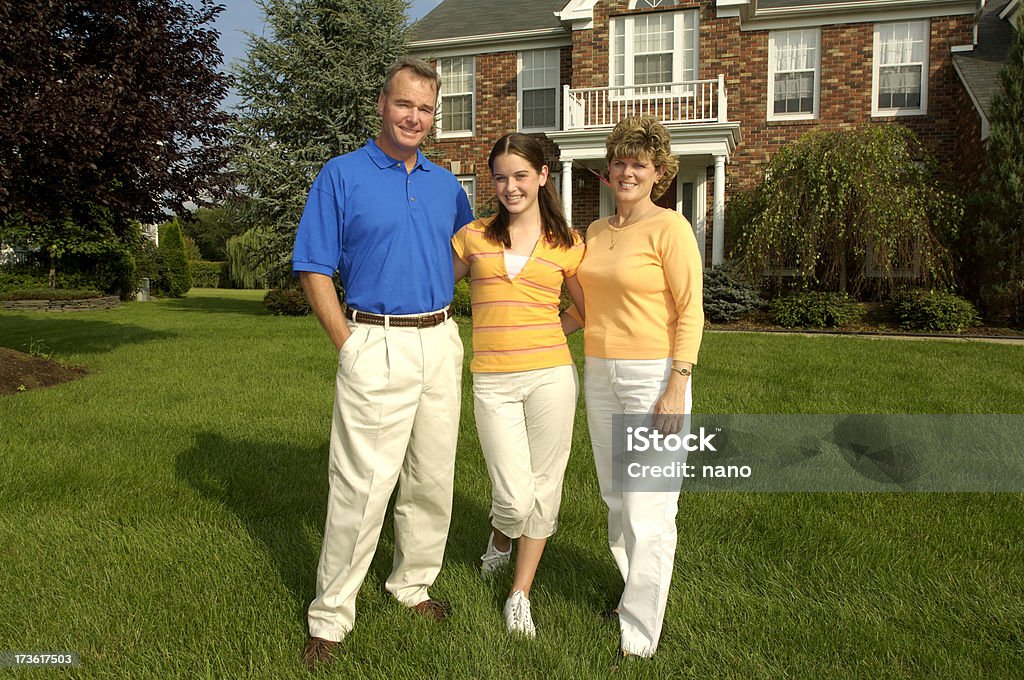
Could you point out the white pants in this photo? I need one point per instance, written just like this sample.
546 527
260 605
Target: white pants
524 420
641 525
396 416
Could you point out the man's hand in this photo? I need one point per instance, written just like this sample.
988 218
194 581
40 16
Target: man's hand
324 301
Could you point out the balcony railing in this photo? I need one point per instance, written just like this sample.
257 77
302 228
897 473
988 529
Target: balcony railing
691 101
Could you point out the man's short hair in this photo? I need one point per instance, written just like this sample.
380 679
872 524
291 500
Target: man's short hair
418 67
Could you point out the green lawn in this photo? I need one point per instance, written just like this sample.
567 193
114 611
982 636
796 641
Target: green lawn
162 518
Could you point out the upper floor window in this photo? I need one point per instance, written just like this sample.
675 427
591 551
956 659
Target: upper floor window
538 89
654 49
794 74
458 85
900 69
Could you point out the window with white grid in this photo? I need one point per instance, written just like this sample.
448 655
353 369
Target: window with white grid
793 74
538 89
653 49
468 184
900 69
458 78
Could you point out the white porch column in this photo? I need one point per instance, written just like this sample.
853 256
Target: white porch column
718 225
567 191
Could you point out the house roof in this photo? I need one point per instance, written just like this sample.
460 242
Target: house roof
454 19
979 68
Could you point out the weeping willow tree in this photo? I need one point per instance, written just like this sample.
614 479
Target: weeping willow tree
848 210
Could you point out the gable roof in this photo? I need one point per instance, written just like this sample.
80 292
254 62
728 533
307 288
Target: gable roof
454 19
979 69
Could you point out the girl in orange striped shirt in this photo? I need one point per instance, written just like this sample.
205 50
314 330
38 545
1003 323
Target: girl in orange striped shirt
524 382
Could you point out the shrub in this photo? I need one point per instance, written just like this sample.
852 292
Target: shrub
286 302
246 269
815 309
176 276
20 280
205 274
931 310
727 297
46 293
462 304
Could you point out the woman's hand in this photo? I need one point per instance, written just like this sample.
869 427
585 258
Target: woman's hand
671 405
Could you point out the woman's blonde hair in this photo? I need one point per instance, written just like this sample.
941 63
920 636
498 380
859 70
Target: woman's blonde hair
643 137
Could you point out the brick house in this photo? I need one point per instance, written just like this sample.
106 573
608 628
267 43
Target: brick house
733 80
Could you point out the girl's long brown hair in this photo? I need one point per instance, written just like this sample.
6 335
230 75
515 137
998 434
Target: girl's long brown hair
552 220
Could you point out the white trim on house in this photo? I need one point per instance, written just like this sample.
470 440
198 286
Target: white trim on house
462 49
773 36
1009 9
470 181
516 38
876 65
579 14
753 18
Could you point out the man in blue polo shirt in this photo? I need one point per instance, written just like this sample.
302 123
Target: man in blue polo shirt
383 217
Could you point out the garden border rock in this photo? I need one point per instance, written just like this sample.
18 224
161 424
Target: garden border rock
86 305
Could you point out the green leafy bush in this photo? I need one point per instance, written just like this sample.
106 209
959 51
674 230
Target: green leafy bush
206 274
286 302
727 296
931 310
176 276
815 309
462 304
50 294
18 280
246 267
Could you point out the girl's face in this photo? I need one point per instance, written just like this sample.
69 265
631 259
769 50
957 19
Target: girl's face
632 179
517 184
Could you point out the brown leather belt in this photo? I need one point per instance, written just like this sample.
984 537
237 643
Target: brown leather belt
422 321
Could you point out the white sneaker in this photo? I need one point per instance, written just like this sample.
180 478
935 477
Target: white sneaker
517 615
494 560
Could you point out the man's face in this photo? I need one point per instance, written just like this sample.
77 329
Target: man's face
407 114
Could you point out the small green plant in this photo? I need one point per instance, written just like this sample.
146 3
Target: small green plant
22 388
727 296
815 309
462 304
38 348
286 302
931 310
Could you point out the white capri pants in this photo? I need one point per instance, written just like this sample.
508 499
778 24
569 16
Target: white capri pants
524 420
641 525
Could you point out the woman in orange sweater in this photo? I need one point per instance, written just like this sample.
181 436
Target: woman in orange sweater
642 278
524 381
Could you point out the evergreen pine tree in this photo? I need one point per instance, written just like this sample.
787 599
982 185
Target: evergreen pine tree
308 89
1003 222
177 276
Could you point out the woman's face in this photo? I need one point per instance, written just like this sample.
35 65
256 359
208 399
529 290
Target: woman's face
632 179
516 183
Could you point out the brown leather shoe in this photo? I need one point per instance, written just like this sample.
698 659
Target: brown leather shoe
318 652
435 610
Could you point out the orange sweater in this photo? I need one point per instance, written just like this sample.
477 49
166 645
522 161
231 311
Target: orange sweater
643 287
515 321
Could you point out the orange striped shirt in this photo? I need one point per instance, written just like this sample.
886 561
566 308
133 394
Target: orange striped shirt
515 321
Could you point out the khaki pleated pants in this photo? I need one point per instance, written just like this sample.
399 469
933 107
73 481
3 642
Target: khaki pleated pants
396 416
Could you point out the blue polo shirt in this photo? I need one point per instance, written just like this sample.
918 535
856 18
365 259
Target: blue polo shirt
387 231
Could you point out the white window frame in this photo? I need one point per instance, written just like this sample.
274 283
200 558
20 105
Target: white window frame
557 88
876 65
650 4
441 132
773 36
679 28
468 181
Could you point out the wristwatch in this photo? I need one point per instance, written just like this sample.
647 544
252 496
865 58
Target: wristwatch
683 371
